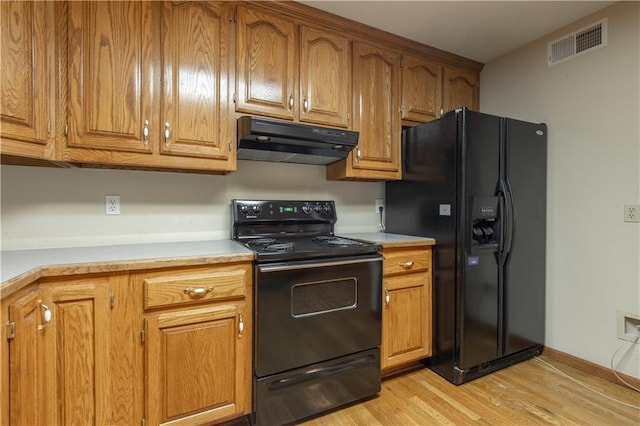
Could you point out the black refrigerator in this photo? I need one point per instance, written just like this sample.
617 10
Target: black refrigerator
477 184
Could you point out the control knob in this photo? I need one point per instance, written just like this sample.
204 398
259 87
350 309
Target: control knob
306 208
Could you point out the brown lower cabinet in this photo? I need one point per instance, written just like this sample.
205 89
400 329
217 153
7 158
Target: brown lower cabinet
147 347
406 306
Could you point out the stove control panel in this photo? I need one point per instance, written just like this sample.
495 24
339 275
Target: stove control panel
283 210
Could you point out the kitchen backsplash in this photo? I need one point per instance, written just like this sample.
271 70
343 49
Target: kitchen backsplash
44 207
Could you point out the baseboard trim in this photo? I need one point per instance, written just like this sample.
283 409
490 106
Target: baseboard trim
589 367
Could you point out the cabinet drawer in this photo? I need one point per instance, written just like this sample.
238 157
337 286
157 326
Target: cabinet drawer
190 287
419 279
401 261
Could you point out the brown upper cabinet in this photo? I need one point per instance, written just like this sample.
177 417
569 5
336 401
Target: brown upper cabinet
27 78
291 71
160 85
147 84
376 76
460 89
429 90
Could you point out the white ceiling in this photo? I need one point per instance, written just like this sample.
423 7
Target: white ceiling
478 30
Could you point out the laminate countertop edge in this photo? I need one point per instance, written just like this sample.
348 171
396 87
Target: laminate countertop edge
388 240
22 267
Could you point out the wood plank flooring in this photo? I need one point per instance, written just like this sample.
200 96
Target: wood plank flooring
528 393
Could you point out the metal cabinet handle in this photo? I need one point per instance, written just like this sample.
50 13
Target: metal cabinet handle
240 325
358 154
406 265
167 134
198 291
46 316
145 133
387 298
305 105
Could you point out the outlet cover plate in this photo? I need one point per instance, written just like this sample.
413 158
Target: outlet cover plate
628 326
379 203
632 213
112 204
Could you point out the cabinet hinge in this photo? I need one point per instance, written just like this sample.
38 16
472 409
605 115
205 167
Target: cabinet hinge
401 108
48 127
144 421
401 62
66 129
143 336
112 300
234 16
11 330
234 98
229 145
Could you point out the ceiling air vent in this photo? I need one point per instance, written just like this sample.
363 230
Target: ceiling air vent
582 41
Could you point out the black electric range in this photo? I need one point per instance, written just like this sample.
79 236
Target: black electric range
292 230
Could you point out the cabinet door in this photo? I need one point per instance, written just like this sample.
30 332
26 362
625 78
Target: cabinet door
111 77
376 80
460 90
195 40
421 89
266 64
31 392
196 370
27 75
81 330
325 78
406 319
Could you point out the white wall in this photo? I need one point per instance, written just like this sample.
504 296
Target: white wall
46 207
591 106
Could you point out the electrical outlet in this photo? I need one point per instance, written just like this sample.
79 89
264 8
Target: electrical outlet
112 204
628 326
379 203
632 213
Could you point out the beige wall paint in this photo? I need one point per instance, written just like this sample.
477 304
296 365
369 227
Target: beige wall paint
591 104
43 207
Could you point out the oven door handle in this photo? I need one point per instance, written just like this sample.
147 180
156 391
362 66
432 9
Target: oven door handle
314 373
291 267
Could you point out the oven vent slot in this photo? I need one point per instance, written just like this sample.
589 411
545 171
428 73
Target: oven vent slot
577 43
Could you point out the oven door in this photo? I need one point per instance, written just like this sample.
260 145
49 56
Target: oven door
313 311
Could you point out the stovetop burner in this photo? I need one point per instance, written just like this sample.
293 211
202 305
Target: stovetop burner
334 241
292 230
280 247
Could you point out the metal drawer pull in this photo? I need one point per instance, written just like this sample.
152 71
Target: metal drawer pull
46 316
240 325
406 265
291 102
198 291
387 298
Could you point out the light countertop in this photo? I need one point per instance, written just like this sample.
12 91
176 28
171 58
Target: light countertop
388 240
21 267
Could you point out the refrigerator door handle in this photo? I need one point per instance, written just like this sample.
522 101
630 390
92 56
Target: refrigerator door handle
511 218
505 222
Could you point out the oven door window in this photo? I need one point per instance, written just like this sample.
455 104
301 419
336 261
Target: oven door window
320 297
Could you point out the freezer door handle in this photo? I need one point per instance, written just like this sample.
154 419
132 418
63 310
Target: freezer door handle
511 218
506 221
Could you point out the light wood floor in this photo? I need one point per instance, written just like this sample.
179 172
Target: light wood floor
528 393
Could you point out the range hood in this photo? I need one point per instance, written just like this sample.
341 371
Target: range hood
263 139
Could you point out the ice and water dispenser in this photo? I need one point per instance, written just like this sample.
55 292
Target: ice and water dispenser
485 231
